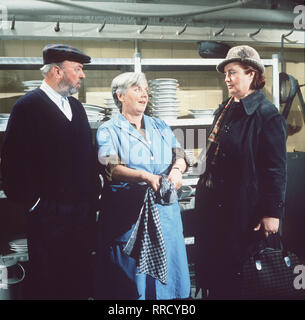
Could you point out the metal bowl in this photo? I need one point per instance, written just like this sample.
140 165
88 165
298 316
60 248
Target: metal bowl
3 120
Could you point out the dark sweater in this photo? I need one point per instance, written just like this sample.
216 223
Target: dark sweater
46 155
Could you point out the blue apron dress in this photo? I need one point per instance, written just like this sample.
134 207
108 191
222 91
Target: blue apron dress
116 276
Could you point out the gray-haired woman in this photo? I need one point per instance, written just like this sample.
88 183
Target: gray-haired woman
242 191
135 150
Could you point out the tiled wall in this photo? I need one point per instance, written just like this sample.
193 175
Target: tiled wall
197 89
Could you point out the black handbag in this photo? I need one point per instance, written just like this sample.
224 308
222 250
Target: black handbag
268 273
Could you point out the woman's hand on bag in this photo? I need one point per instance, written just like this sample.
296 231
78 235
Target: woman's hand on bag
153 180
269 224
175 176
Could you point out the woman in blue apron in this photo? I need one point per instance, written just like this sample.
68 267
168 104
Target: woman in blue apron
135 151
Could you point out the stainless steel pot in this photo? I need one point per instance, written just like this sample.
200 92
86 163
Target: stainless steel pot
11 276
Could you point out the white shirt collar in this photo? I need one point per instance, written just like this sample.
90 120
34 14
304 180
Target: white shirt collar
58 99
54 95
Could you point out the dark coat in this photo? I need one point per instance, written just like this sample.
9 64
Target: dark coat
46 156
249 182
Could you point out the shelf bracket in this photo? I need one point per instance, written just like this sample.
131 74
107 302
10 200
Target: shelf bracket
102 27
254 33
57 27
215 34
13 23
284 37
140 31
178 33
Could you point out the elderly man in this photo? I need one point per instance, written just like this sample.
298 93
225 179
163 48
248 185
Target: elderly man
48 164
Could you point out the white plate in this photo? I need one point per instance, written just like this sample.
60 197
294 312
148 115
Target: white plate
162 88
18 245
164 99
203 116
203 111
4 115
162 106
172 111
165 105
165 85
165 110
166 114
19 250
92 107
167 117
165 94
32 84
19 242
164 79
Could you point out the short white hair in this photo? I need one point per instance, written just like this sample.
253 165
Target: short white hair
124 81
47 68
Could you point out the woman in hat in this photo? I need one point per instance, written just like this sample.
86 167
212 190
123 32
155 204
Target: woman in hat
135 150
240 196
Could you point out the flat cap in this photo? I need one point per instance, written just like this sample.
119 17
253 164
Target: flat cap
53 53
243 54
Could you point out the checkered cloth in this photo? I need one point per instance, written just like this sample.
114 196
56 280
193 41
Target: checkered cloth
146 244
213 137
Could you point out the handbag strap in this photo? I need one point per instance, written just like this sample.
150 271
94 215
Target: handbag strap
272 243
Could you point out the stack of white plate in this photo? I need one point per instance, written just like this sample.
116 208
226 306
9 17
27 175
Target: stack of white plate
94 112
206 114
19 245
164 98
31 84
111 109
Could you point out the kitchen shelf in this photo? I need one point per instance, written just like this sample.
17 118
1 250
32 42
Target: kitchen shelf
188 122
34 63
137 64
171 122
206 65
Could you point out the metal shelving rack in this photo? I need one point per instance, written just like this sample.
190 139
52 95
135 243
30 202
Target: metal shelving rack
138 64
34 63
204 65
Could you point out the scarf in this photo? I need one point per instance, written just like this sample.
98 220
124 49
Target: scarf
214 138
